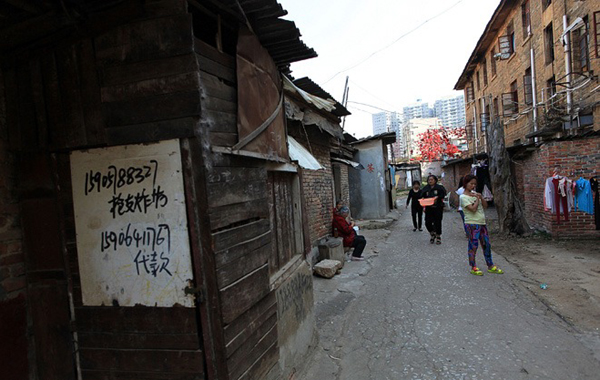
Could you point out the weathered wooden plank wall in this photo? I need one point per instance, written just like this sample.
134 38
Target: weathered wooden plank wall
242 241
241 229
135 83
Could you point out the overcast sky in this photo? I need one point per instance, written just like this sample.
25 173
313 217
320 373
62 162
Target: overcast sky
408 61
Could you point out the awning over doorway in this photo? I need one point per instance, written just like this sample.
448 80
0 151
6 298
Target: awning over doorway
355 165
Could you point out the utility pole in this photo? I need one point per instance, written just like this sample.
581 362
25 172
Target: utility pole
345 100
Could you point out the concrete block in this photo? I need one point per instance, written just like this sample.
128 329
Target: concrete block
332 249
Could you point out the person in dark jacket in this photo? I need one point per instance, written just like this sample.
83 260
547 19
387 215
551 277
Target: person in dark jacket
434 213
347 232
416 209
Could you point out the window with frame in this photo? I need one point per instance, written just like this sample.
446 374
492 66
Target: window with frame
485 75
506 43
493 62
546 4
549 44
550 89
526 19
580 40
484 116
478 82
470 92
597 34
528 87
510 100
510 32
495 108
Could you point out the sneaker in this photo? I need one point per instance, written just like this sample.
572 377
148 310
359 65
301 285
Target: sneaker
420 229
432 240
438 240
476 271
414 229
496 270
358 258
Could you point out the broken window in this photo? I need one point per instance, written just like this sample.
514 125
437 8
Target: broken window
493 61
546 4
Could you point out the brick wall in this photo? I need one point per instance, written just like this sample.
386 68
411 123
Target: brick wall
317 184
513 68
345 186
452 175
574 159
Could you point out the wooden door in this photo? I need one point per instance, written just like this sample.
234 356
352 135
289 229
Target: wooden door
285 213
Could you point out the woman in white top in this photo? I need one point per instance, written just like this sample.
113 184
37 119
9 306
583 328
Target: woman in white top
460 192
473 204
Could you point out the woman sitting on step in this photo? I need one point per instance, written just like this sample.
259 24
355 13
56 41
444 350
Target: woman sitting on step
347 232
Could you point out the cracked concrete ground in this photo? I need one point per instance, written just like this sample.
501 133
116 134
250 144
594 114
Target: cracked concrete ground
413 311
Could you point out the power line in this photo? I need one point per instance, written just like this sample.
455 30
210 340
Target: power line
381 100
360 109
396 40
369 105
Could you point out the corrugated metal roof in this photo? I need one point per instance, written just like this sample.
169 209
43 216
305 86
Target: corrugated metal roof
280 37
355 165
40 18
319 102
309 86
303 156
386 137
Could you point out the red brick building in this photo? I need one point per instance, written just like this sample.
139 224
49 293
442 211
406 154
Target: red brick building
316 126
534 71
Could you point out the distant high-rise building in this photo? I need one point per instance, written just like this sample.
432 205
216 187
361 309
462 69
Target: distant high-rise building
386 122
451 111
390 122
417 110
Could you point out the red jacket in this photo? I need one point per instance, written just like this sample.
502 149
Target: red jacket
344 230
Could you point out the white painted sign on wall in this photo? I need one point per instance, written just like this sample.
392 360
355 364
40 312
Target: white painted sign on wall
131 224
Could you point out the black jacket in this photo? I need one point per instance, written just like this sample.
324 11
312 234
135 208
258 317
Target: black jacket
436 190
414 196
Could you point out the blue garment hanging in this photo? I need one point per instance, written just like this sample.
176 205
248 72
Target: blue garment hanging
583 196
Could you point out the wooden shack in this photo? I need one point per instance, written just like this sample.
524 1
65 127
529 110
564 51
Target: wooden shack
314 119
151 223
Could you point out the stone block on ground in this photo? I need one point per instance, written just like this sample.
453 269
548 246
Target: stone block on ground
327 268
331 249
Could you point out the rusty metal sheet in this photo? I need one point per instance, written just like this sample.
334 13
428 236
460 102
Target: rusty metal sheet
259 95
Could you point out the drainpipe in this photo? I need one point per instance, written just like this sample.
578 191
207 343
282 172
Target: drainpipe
485 131
475 127
567 45
533 92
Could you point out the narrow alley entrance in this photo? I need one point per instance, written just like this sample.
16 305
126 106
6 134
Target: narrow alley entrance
413 311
